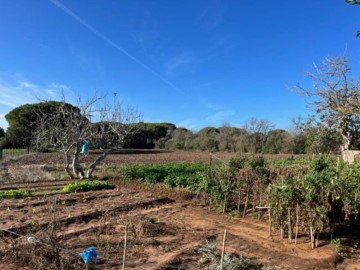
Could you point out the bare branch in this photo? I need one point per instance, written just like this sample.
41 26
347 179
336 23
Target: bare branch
335 95
67 127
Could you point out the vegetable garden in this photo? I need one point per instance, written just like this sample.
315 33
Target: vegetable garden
314 196
175 206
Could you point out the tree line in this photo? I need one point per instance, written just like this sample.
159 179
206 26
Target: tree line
335 126
254 136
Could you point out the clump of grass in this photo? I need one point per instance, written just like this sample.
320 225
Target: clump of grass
87 185
14 193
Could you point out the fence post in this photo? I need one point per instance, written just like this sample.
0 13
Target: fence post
1 154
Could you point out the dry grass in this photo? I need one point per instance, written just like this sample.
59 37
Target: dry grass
31 173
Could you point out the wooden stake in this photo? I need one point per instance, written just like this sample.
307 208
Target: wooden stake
269 221
297 222
259 213
223 251
269 212
125 244
269 209
312 237
289 225
337 171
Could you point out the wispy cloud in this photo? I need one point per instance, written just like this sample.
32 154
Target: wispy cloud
190 124
211 105
214 107
25 92
87 60
213 15
112 43
220 116
178 61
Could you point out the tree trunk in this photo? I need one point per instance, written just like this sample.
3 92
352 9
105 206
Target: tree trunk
77 169
246 200
67 165
345 146
346 140
97 162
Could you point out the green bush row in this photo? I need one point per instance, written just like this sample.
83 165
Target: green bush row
87 185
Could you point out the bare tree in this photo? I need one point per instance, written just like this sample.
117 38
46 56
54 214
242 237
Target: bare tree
68 127
335 97
254 125
257 130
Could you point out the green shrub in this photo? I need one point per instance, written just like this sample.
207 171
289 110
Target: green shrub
87 185
14 193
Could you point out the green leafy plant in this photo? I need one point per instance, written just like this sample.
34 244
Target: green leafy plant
174 175
336 241
14 193
87 185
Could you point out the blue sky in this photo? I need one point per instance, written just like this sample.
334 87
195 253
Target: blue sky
194 63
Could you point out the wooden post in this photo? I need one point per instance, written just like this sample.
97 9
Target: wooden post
281 230
297 222
125 246
260 202
210 178
239 201
269 210
337 172
312 237
269 221
223 251
1 154
289 225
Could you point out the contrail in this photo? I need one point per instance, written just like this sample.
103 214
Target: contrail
112 43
